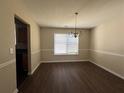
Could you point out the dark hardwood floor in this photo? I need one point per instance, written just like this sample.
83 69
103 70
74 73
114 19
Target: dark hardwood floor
77 77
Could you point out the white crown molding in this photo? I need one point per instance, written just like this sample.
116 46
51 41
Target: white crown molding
107 53
57 61
110 71
2 65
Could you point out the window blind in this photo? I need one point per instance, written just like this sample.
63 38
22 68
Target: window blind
65 44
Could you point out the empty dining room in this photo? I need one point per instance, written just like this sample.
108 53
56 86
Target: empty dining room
61 46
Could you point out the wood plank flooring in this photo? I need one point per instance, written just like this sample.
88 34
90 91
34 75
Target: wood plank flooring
78 77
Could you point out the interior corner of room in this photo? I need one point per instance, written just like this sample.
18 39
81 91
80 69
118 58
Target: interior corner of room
34 32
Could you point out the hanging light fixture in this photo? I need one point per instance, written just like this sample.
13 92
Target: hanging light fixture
75 33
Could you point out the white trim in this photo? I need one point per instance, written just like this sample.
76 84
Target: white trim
108 53
34 69
55 61
99 51
29 73
84 49
2 65
16 91
66 54
53 49
35 52
47 49
116 74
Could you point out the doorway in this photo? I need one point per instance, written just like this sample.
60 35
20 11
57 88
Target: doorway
22 50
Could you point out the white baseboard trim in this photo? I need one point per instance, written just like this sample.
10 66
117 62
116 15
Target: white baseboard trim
57 61
16 91
34 69
110 71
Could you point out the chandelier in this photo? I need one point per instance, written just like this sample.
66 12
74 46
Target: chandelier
75 33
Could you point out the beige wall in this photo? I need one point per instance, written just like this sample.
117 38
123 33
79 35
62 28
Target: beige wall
47 45
8 8
107 44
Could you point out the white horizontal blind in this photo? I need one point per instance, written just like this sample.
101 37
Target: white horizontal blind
60 43
65 44
72 45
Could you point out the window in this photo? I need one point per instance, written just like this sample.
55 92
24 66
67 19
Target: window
65 44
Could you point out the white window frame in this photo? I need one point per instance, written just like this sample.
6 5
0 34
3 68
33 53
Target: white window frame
65 53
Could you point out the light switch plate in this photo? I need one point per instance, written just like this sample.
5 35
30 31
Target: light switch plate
11 50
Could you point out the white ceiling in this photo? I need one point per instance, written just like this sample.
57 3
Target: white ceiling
60 13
